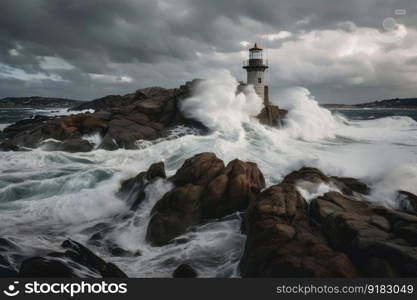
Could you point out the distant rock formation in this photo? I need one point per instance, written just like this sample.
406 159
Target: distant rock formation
339 234
118 121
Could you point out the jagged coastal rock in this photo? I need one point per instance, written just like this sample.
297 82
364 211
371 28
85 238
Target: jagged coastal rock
76 261
119 121
204 189
336 234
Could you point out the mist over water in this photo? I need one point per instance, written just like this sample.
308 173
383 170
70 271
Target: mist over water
46 197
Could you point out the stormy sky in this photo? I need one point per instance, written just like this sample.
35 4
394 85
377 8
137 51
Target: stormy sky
342 51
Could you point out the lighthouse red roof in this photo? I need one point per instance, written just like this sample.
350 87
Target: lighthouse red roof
255 47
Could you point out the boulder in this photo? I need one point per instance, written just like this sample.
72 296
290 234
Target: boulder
9 252
232 189
174 214
272 115
6 268
407 201
381 242
8 146
120 121
76 261
123 133
133 189
282 242
184 271
205 189
347 185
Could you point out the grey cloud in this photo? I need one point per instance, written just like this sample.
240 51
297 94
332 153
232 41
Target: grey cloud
168 42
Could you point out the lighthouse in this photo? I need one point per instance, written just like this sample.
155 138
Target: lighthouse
255 67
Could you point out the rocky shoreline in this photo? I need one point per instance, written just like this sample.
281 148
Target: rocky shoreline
119 122
337 234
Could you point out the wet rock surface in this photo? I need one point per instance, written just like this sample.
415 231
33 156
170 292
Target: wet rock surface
272 115
346 185
76 261
339 234
133 189
184 271
120 121
204 189
283 242
117 121
381 242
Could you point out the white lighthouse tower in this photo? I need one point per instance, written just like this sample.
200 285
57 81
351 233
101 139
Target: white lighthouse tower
255 67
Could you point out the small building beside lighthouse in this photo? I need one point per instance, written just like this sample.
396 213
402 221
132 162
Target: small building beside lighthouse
255 67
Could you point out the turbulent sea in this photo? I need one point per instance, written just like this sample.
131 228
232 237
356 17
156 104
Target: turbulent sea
47 197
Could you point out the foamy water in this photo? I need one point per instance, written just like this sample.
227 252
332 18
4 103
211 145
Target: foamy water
46 197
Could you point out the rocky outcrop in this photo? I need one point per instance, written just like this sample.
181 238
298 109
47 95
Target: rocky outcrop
133 189
184 271
283 242
347 185
407 201
204 189
380 242
272 115
37 102
120 121
9 251
8 146
76 261
339 234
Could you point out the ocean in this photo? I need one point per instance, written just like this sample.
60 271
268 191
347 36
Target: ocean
47 197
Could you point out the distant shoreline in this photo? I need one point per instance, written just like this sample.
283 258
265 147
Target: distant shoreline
367 108
407 103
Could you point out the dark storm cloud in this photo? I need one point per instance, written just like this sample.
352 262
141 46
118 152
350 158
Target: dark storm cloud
99 47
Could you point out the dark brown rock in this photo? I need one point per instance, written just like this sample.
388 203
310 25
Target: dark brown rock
198 170
347 185
380 241
205 189
232 189
109 102
8 146
120 120
184 271
133 189
282 242
72 263
272 115
44 267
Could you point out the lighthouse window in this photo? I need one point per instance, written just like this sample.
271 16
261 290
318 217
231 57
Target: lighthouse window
259 80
